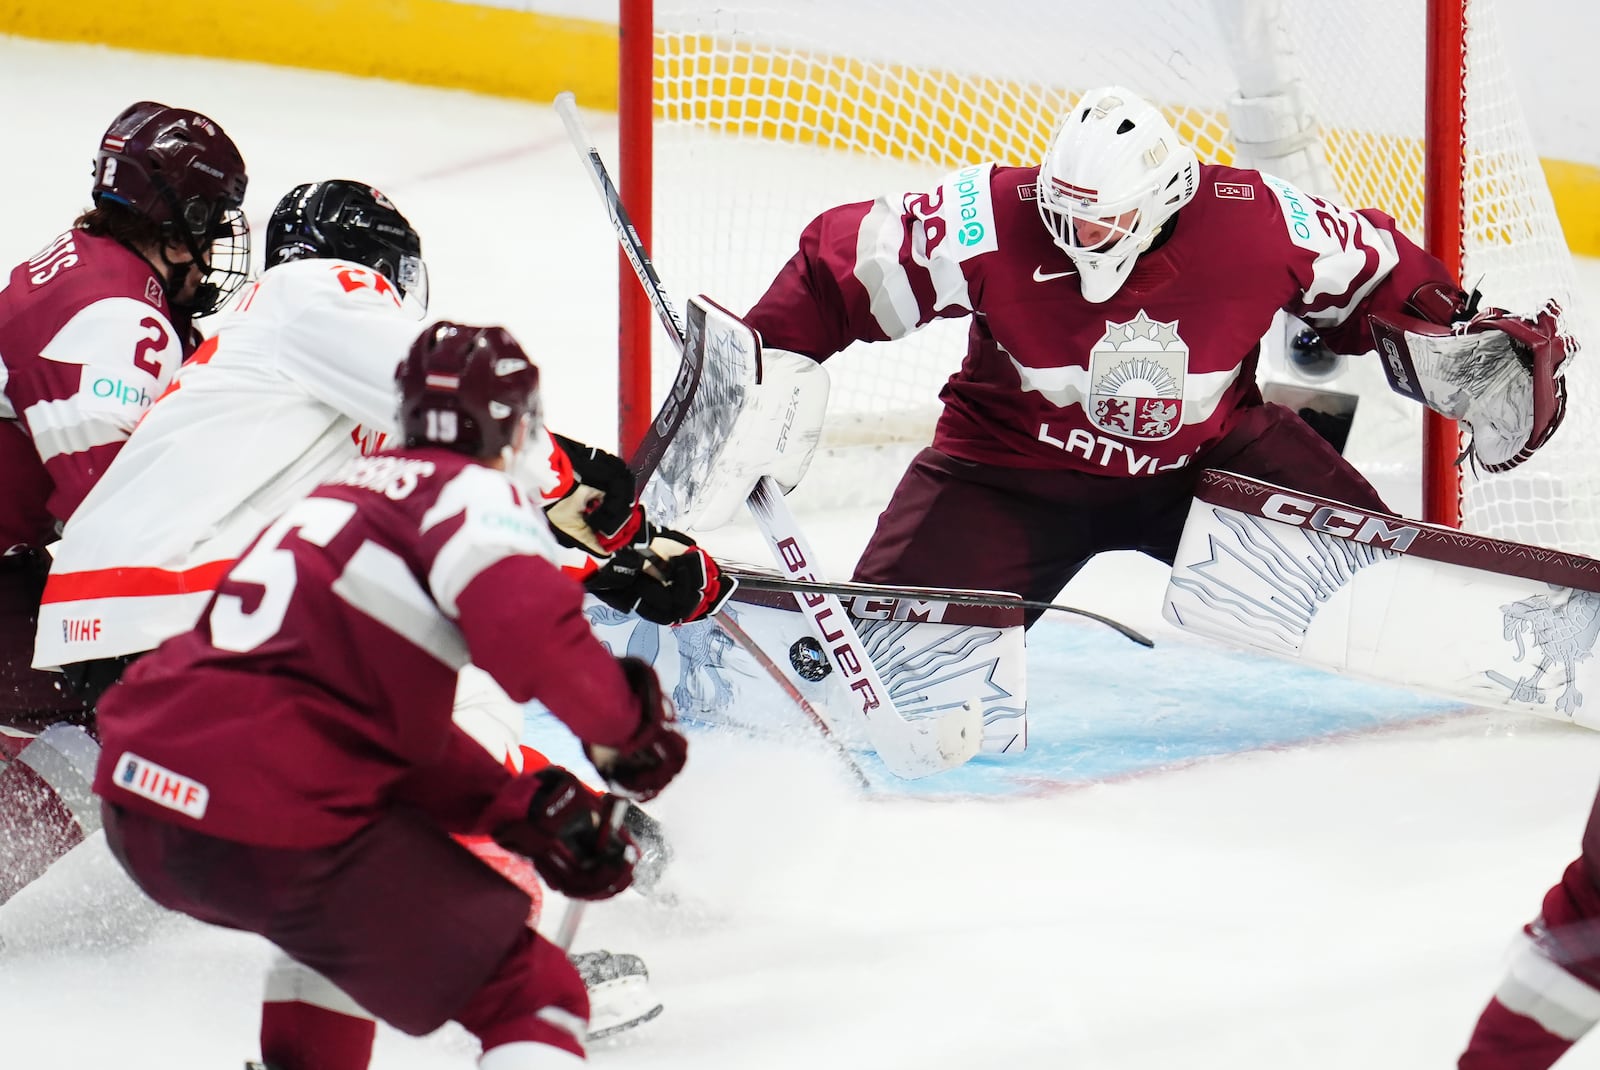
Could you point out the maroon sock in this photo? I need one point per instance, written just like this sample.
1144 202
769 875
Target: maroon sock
1506 1040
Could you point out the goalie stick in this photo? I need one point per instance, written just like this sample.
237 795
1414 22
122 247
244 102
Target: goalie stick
760 580
909 749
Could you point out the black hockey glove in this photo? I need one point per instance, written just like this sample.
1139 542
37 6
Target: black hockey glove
669 580
599 513
646 763
571 837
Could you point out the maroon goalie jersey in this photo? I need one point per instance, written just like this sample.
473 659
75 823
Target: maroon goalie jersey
1136 385
317 687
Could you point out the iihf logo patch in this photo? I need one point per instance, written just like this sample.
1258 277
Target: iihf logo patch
161 786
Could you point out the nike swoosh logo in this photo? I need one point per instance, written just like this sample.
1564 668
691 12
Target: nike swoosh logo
1041 275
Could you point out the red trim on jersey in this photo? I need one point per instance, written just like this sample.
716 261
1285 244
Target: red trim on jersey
132 582
561 465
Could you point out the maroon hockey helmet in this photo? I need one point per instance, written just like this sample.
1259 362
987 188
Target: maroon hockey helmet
467 389
179 170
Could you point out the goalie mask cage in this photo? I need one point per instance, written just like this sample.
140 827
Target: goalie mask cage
742 119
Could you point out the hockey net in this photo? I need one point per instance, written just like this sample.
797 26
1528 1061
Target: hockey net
764 113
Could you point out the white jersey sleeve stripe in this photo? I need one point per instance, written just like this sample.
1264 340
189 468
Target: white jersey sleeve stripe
377 582
878 268
496 525
62 427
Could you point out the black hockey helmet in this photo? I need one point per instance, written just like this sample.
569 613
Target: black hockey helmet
344 220
179 170
468 389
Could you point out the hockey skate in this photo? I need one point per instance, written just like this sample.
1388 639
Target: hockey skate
619 992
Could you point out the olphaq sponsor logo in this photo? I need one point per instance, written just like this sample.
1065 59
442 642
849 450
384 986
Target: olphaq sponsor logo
161 786
1341 521
969 192
1295 212
123 393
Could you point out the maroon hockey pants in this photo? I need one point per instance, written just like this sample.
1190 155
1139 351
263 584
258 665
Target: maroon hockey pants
955 523
407 922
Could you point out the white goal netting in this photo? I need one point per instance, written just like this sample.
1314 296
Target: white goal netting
767 113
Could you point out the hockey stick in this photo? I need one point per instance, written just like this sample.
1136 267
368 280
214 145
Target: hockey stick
757 580
908 748
737 633
567 930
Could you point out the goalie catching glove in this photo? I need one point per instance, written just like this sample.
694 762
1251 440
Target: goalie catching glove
1499 374
571 838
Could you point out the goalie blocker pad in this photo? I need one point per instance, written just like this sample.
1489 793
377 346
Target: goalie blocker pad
754 413
1484 621
932 656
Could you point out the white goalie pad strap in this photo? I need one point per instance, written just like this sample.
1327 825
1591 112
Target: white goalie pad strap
1477 379
1536 987
1483 621
1277 133
931 655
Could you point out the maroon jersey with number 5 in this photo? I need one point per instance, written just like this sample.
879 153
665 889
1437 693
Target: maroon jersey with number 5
317 688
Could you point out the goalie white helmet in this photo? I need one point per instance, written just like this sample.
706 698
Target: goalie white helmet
1114 173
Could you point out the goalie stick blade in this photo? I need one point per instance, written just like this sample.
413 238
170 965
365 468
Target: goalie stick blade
929 745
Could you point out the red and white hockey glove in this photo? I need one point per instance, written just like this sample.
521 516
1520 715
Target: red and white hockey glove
647 762
669 580
598 513
572 839
1499 374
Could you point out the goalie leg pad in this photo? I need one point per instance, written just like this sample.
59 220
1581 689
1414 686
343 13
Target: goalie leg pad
1483 621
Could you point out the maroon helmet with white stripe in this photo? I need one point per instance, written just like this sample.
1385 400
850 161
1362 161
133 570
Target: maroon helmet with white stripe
178 169
468 389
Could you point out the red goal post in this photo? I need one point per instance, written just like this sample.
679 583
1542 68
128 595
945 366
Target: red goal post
742 118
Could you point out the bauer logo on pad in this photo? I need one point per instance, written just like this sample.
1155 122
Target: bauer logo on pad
161 786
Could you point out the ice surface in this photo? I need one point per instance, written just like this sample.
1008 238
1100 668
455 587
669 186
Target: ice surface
1209 860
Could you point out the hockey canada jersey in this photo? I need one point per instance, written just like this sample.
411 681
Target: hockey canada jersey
297 380
317 687
87 342
298 376
1136 385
